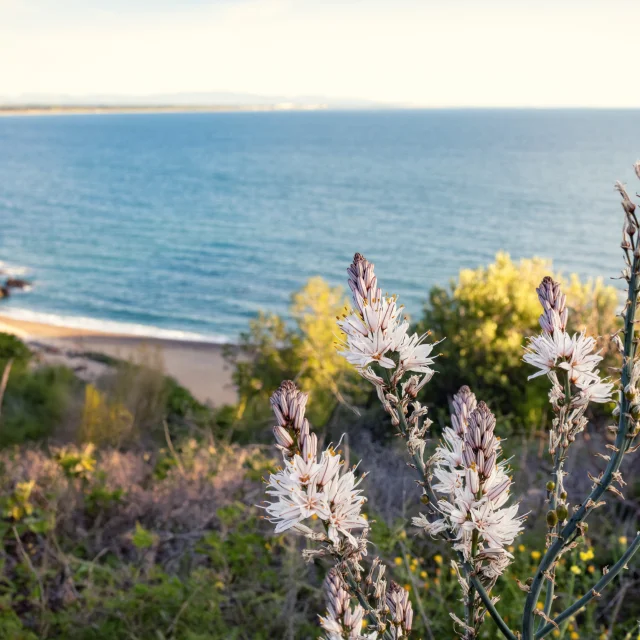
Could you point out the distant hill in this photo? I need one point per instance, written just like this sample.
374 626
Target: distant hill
193 99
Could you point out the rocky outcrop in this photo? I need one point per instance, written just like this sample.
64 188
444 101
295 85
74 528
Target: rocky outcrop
16 283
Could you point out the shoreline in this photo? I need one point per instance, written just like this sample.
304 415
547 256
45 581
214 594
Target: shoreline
198 366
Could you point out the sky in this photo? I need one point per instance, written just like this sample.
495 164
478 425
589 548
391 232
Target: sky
431 53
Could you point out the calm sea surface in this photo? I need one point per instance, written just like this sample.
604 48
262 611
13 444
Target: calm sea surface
188 224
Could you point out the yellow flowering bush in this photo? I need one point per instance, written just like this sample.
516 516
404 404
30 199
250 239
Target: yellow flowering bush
484 316
304 351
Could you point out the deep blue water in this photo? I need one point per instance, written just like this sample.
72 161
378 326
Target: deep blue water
194 222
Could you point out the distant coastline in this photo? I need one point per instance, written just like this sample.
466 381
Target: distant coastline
57 110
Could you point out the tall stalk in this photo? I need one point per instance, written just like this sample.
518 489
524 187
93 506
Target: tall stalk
624 434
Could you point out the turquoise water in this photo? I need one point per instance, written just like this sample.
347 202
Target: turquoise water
185 225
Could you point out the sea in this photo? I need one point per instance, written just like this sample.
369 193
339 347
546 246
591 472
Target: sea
185 225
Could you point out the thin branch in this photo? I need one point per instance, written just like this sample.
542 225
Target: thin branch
4 381
594 592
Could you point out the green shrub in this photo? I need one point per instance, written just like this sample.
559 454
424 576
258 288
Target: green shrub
12 348
485 316
35 403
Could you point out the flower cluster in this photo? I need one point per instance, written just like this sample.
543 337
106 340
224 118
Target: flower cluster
555 352
341 621
474 488
377 342
305 486
376 333
311 488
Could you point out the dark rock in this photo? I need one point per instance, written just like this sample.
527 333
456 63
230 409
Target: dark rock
16 283
4 292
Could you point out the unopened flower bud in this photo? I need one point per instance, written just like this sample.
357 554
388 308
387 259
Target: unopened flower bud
562 512
552 518
529 581
551 485
282 436
563 495
424 498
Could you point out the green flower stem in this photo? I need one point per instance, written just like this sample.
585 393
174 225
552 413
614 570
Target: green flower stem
558 463
621 444
364 603
594 591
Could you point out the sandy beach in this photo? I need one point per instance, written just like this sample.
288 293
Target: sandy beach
199 366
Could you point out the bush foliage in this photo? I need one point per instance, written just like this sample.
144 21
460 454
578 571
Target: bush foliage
484 317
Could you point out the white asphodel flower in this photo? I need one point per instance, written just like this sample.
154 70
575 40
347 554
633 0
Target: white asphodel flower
555 353
474 487
375 332
414 354
362 350
306 487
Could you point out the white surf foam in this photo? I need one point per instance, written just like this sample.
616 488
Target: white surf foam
110 326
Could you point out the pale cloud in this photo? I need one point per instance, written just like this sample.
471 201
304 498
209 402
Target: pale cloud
426 53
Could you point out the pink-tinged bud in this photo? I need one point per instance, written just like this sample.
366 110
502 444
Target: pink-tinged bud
553 303
480 460
464 402
362 281
489 464
282 437
288 405
310 446
636 168
628 206
498 490
473 481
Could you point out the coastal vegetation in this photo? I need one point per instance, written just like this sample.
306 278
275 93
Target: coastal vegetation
129 508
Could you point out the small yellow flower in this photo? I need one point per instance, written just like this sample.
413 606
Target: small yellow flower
402 535
413 566
539 606
591 568
536 555
510 548
452 571
555 633
574 635
575 570
219 585
407 587
423 574
398 561
364 623
267 546
365 516
585 556
622 540
314 516
437 559
521 548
